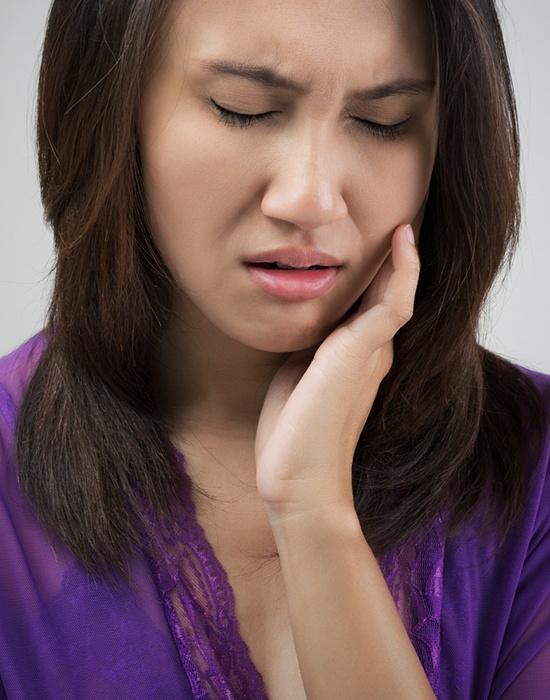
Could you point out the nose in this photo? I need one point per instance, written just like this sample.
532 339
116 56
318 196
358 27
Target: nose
305 188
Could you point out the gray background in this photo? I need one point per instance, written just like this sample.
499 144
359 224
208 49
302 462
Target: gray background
516 323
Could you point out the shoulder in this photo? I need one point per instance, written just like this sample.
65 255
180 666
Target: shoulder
537 511
47 599
518 590
16 370
540 460
541 382
538 502
493 620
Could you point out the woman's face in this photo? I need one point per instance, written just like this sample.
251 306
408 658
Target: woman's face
291 134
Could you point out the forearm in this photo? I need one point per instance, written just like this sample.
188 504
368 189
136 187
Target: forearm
349 638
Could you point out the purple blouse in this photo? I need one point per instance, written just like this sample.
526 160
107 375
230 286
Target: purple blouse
478 617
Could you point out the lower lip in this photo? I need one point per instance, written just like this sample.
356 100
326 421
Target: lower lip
293 285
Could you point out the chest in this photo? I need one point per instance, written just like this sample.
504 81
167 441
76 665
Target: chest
234 522
242 542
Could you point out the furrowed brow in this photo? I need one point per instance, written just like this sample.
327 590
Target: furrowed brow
270 78
256 74
395 88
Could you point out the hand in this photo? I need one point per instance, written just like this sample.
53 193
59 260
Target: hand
319 401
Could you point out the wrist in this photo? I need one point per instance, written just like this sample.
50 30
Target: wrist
317 529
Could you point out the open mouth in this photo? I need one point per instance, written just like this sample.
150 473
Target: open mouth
282 266
293 283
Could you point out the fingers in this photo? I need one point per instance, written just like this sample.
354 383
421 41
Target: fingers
361 350
388 303
375 291
396 280
398 297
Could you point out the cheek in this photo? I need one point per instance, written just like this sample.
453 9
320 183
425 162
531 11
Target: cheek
395 180
191 173
404 180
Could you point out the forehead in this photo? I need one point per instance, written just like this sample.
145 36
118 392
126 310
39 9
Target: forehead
376 40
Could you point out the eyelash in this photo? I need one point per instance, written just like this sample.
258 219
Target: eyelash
228 116
386 132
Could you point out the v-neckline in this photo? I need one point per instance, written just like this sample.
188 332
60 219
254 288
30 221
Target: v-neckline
200 603
200 606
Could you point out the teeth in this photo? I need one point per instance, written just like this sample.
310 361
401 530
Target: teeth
282 266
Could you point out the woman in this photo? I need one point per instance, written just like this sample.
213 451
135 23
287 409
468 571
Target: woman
246 467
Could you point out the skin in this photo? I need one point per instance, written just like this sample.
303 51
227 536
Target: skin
284 386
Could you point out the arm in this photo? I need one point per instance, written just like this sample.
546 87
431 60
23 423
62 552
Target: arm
349 638
523 668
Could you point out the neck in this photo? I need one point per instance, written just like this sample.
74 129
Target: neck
210 382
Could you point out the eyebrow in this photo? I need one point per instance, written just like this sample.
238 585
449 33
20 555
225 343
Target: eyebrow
401 86
256 74
270 78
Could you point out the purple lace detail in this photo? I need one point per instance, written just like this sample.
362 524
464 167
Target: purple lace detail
414 575
200 604
200 607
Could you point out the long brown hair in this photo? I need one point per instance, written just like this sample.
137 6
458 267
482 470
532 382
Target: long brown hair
448 424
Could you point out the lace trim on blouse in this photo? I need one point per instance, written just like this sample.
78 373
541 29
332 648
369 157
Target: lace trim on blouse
200 605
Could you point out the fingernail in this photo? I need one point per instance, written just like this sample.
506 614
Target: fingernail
410 234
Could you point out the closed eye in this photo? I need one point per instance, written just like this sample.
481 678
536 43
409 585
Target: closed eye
232 118
243 120
388 132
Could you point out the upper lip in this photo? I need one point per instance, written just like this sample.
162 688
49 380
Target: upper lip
295 257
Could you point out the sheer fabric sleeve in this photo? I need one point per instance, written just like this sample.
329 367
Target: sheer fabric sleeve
525 672
533 681
63 633
524 664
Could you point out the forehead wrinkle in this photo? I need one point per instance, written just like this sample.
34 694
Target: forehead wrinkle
276 63
255 73
271 78
408 87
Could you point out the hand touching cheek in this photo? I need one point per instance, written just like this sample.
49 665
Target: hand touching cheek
318 403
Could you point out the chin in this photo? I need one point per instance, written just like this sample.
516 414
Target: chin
291 338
